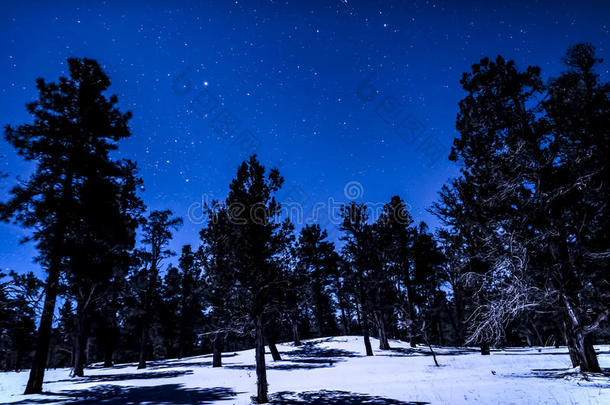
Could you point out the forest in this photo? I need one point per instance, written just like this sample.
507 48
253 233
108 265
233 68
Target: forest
521 259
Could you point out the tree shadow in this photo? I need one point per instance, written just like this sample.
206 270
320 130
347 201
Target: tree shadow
163 363
528 351
160 365
404 352
310 349
282 366
563 373
118 395
124 377
325 397
305 357
100 366
598 380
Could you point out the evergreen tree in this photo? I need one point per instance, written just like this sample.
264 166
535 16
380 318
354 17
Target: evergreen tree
157 231
531 193
574 194
219 284
65 332
18 297
464 245
181 312
75 127
316 264
170 311
109 210
428 295
257 238
356 251
191 300
396 234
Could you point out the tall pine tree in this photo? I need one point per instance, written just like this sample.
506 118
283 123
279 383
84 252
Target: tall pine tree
75 127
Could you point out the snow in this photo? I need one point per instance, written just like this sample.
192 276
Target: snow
334 371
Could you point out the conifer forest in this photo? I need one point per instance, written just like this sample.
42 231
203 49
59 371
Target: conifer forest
305 203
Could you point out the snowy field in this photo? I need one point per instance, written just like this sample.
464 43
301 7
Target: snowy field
333 371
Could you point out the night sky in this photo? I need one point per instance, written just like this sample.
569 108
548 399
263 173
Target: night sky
211 82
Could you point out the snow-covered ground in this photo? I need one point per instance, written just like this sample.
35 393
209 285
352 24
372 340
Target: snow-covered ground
333 371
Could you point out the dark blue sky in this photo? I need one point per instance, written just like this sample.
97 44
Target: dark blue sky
284 75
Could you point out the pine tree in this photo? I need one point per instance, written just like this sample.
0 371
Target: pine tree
531 195
18 298
396 235
574 192
256 241
157 231
356 251
75 127
428 295
98 248
316 264
170 311
181 313
219 283
464 246
191 299
65 331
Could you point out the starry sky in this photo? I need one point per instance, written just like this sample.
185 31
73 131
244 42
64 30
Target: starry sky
350 99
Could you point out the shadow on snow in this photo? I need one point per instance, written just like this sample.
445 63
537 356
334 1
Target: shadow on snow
310 350
401 351
125 377
117 395
305 357
333 398
291 365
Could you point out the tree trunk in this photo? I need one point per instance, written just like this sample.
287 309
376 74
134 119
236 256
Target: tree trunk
316 310
43 340
295 333
80 342
485 349
412 342
261 372
108 352
18 357
181 346
143 344
557 335
458 324
581 349
365 333
145 317
342 306
344 321
582 352
273 349
411 306
217 351
433 354
383 339
89 348
441 337
34 385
